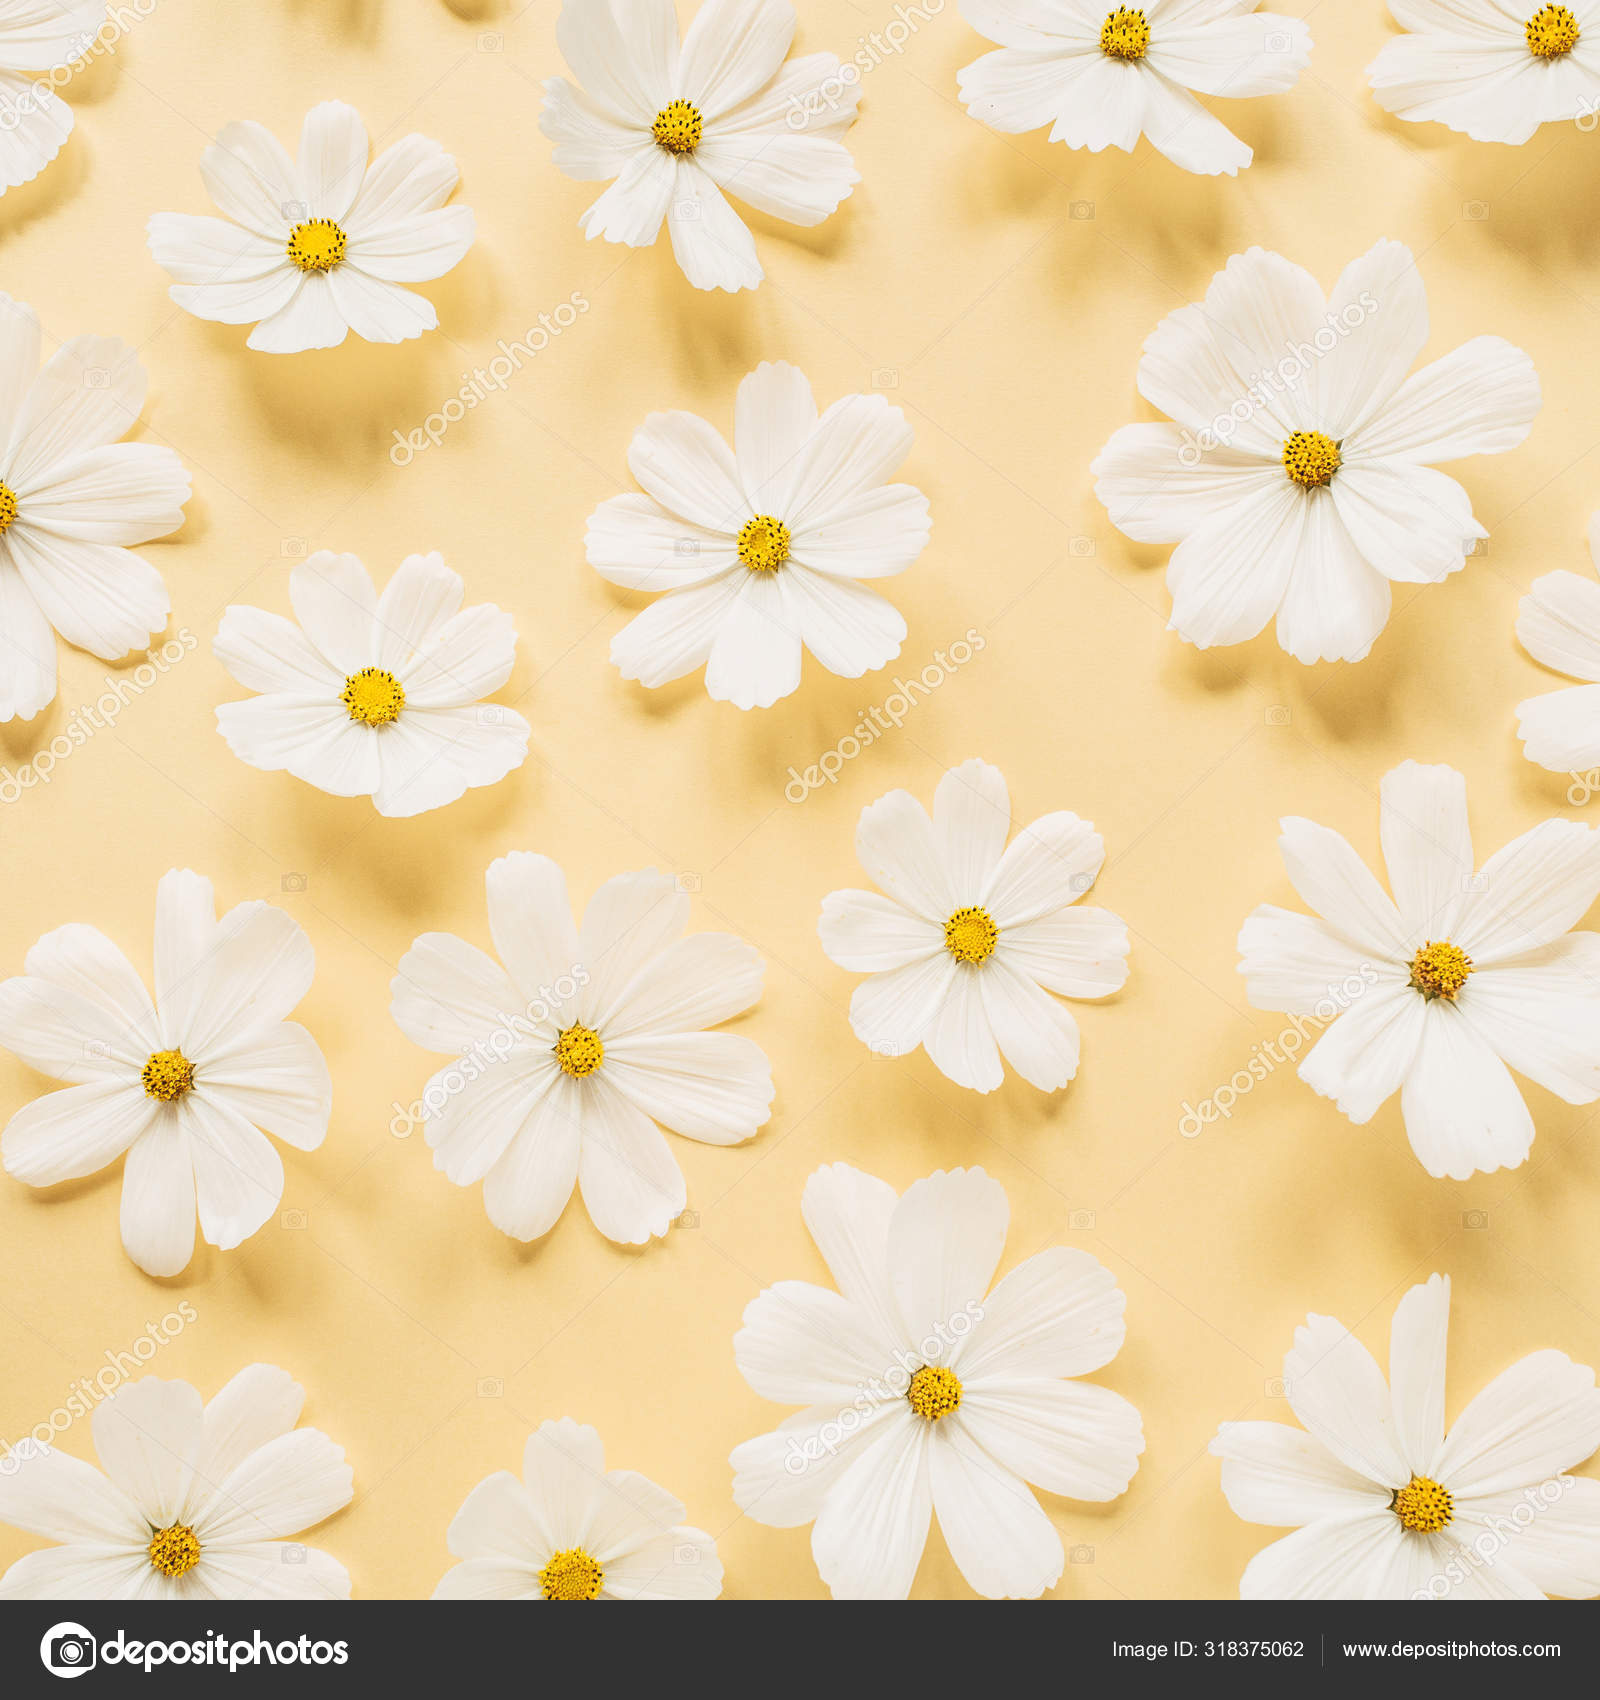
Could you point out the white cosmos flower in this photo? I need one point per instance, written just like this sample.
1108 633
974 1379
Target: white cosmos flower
676 127
317 246
1104 75
572 1530
760 548
1386 1505
198 1501
1298 476
1496 69
567 1058
38 35
1462 977
972 937
188 1085
1558 623
925 1392
374 696
71 497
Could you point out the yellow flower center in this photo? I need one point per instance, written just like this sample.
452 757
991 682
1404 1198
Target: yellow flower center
571 1575
167 1075
373 697
1423 1506
970 935
763 543
1552 31
934 1393
317 245
1440 970
8 508
1311 459
677 127
580 1052
1125 34
175 1550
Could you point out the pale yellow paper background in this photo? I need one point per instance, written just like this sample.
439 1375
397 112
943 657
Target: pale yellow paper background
963 273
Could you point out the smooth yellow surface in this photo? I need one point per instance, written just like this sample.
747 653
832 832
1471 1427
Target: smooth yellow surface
965 273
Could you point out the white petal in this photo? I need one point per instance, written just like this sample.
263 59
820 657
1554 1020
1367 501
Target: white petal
629 920
873 535
627 58
78 1572
1551 1533
1558 622
270 1570
1228 576
414 175
1541 1014
1410 524
712 243
675 635
413 249
1561 729
1531 892
687 467
900 850
1370 360
466 659
313 739
77 1131
103 599
49 1492
158 1199
715 1087
1480 399
447 994
311 318
782 1479
373 308
1047 866
474 1118
1159 484
121 493
238 1174
790 174
1298 964
1037 1035
695 982
945 1239
415 605
148 1435
1369 1051
679 1564
1336 603
266 652
335 602
635 542
631 1186
1334 1559
199 250
332 159
867 933
858 444
731 50
592 145
997 1533
850 629
971 821
1427 846
1181 128
530 920
290 1484
260 1403
255 967
1275 1474
631 210
1337 1390
531 1182
868 1537
1334 881
891 1013
806 1345
431 756
28 657
1066 1437
1536 1419
277 1080
252 180
501 1520
1417 1340
1057 1313
848 1213
960 1040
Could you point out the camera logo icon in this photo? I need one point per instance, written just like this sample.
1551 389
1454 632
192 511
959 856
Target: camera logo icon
68 1649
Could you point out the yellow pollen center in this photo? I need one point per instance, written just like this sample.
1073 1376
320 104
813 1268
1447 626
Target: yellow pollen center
934 1392
677 127
373 697
8 508
763 543
317 245
1311 459
174 1550
580 1052
970 935
1440 970
1125 34
1423 1506
571 1575
1552 31
167 1075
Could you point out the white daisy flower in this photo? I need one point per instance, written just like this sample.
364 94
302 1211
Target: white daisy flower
1102 76
317 246
1494 69
925 1392
38 35
198 1501
573 1530
1558 623
1388 1506
676 127
568 1057
71 495
972 937
188 1085
1440 992
1298 476
374 696
760 548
